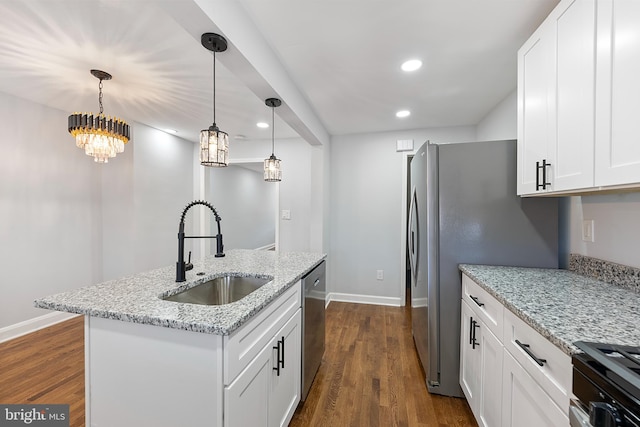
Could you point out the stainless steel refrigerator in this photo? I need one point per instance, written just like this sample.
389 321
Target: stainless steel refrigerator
464 209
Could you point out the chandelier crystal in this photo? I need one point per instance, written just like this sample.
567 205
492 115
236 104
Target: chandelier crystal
101 137
214 143
272 171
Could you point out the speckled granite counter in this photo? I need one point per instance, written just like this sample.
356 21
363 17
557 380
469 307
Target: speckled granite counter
137 298
563 306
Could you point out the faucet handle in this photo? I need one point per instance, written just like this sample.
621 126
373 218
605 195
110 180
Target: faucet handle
189 266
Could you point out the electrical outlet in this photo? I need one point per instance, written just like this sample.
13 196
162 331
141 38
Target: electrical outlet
286 214
588 231
380 274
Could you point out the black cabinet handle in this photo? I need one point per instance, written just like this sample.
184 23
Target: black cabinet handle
475 299
475 343
536 359
471 329
282 360
542 167
277 367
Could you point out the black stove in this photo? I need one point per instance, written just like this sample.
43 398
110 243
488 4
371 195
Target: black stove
606 382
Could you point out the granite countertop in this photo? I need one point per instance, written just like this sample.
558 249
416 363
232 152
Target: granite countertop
563 306
136 298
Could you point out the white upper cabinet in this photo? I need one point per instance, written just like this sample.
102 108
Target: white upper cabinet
556 79
578 97
618 93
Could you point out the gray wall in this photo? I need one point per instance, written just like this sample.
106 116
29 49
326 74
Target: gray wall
616 227
247 205
366 212
69 222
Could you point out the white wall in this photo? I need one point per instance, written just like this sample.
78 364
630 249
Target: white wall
300 189
501 122
367 212
246 204
68 221
49 209
617 229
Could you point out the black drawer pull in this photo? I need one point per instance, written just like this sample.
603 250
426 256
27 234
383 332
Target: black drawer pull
475 299
536 359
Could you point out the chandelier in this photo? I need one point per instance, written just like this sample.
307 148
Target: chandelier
272 171
214 143
101 137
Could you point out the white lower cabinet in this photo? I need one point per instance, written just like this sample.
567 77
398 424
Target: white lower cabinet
480 368
525 402
267 392
514 377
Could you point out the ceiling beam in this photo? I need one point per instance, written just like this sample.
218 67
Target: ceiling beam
250 58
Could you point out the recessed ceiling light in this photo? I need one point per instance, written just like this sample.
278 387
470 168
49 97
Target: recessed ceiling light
403 113
411 65
173 131
262 125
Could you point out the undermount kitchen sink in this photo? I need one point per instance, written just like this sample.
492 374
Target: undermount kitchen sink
219 291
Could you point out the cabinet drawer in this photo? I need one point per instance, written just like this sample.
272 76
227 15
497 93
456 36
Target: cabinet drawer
554 373
485 306
247 342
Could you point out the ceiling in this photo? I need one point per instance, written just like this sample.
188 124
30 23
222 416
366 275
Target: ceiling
334 63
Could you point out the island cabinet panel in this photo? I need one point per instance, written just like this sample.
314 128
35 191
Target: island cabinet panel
139 375
244 344
267 392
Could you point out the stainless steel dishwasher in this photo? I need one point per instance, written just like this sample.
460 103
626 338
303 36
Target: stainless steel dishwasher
313 304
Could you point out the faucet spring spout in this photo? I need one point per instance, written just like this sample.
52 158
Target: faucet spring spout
181 266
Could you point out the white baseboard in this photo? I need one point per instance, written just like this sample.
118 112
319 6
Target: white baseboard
269 247
363 299
31 325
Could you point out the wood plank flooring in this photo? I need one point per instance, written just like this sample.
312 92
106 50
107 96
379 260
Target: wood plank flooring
370 375
46 367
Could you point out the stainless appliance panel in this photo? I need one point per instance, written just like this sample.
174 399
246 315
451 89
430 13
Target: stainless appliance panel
473 216
313 326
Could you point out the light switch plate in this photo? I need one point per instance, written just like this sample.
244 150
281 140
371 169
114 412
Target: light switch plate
587 230
286 214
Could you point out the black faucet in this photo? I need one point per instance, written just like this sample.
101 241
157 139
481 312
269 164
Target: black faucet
181 266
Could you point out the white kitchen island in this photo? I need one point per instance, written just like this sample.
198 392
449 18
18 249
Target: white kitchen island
155 362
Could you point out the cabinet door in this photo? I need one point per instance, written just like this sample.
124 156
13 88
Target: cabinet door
535 76
246 399
469 359
618 93
490 404
524 402
285 384
574 31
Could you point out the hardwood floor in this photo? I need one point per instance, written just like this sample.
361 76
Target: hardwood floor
46 367
370 375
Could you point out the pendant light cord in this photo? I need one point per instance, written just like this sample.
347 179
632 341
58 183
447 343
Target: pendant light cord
273 125
214 87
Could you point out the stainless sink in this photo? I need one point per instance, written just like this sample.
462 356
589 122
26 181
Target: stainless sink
218 291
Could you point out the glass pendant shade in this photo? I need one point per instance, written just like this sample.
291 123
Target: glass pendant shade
214 144
101 137
272 171
214 147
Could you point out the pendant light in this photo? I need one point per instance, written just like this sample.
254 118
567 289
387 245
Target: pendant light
101 137
214 143
272 172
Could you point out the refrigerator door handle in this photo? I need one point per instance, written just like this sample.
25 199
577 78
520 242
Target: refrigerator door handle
412 235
